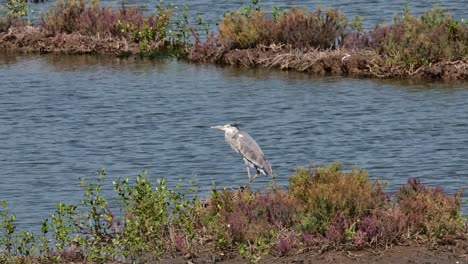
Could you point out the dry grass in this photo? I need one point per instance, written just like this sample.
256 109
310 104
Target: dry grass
299 60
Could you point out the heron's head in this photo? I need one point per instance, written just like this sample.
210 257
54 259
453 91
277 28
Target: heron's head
227 127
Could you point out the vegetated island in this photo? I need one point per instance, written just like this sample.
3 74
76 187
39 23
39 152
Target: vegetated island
325 215
432 46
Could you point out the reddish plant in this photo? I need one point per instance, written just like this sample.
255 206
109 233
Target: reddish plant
336 231
203 51
430 210
285 244
245 215
69 16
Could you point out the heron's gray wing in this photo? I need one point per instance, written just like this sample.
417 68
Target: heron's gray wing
250 150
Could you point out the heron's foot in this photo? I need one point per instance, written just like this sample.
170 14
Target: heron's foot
245 188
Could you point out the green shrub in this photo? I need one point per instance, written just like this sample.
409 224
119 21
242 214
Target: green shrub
68 16
237 30
326 191
297 28
404 46
15 247
157 221
13 12
324 207
8 229
412 42
16 9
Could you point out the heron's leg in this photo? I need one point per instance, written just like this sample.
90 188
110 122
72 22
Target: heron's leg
248 170
256 175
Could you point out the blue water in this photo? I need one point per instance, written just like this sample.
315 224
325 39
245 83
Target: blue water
374 12
64 117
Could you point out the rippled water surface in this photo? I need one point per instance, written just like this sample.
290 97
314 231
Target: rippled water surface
62 118
373 12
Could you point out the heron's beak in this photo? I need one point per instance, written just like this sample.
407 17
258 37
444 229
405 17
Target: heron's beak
218 127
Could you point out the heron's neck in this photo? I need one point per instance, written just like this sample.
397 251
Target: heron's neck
233 134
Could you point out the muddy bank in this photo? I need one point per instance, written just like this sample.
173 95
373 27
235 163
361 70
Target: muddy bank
337 62
36 40
397 254
360 63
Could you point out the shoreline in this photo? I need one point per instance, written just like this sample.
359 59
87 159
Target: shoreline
404 253
325 215
433 46
360 64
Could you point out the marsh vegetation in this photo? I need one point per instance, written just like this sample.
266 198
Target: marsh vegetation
320 41
323 209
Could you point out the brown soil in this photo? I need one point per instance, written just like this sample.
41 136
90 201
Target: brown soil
396 254
411 253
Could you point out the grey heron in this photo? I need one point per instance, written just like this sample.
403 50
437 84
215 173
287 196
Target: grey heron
249 150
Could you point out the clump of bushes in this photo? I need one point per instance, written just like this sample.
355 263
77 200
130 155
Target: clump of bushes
430 211
412 42
348 208
251 223
398 49
296 28
12 13
322 40
162 31
326 192
89 18
147 222
323 208
409 41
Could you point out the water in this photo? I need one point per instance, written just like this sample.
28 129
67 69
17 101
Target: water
64 117
374 12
